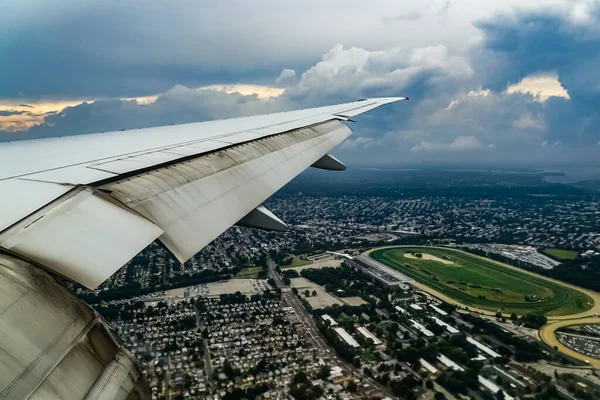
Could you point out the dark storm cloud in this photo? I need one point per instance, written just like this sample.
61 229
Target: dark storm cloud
518 45
459 109
7 113
532 42
177 106
125 48
116 49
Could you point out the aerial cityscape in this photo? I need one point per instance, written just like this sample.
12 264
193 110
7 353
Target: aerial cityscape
300 200
302 313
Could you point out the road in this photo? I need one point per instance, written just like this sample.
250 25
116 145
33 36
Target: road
207 363
549 369
306 319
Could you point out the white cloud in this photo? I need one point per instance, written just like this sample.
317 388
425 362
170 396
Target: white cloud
555 143
461 143
261 91
582 12
528 121
479 92
541 86
356 72
360 142
285 74
453 110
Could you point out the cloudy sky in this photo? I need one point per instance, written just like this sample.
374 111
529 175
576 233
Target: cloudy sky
490 82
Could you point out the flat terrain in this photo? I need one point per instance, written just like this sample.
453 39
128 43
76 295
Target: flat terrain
562 254
321 300
353 301
428 257
332 263
480 283
248 273
244 286
296 262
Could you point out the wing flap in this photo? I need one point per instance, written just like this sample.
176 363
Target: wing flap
83 236
195 201
19 198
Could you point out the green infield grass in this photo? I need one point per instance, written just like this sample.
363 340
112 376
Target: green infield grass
562 254
247 273
482 283
296 262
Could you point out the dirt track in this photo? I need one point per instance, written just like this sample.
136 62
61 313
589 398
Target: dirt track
547 335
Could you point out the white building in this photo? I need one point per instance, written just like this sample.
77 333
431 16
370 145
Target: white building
438 310
327 318
369 335
448 327
401 310
483 347
491 386
428 366
421 328
449 363
346 336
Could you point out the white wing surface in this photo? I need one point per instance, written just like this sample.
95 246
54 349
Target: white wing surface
82 206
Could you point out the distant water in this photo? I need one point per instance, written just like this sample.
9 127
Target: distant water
574 174
569 174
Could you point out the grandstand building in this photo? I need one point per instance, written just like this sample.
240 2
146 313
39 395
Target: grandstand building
382 273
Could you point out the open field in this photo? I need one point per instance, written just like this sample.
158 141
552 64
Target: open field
477 282
353 301
428 257
321 300
296 262
561 254
248 273
332 263
244 286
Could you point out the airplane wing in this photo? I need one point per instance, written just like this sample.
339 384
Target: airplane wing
82 206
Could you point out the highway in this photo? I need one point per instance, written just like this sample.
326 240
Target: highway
306 319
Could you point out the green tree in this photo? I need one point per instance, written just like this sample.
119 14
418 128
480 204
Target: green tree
352 387
324 372
228 370
300 377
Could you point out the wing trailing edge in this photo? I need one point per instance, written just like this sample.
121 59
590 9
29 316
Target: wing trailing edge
87 215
